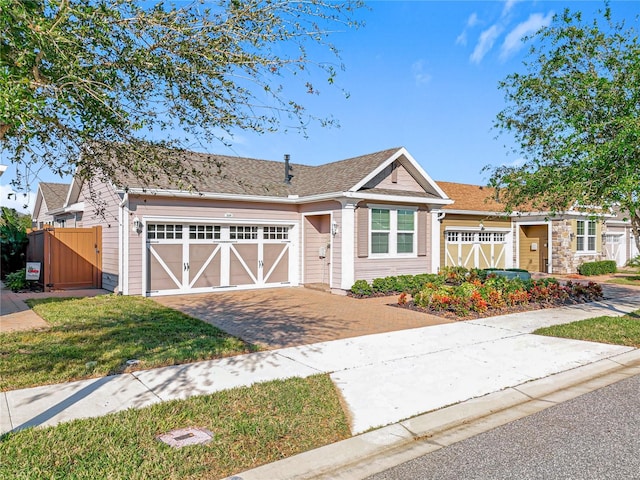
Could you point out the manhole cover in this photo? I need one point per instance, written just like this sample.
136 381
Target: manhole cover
186 436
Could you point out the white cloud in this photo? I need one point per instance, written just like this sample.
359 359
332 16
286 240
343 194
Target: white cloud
518 162
485 43
508 5
12 199
471 22
420 77
513 41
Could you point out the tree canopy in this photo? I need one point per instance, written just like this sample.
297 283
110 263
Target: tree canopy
575 116
107 78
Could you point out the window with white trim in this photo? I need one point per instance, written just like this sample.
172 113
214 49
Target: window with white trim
393 231
275 233
242 232
586 236
159 231
204 232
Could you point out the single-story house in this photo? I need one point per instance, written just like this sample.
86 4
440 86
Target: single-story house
477 232
261 223
619 242
50 198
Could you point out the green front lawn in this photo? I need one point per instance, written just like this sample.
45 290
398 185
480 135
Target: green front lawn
633 280
251 426
93 337
623 330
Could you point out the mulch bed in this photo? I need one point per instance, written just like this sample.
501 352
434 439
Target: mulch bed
494 312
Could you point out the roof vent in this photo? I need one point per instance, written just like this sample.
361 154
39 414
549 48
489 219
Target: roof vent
287 170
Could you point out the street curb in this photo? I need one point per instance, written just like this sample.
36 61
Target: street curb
372 452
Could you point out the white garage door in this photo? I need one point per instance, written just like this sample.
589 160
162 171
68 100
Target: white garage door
185 258
475 249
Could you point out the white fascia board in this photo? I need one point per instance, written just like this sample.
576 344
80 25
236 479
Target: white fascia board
462 228
74 207
398 198
413 163
38 203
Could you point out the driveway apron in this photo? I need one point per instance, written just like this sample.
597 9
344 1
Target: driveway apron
287 317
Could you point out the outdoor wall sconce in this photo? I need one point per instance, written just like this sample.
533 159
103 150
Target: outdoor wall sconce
572 236
334 228
137 225
481 227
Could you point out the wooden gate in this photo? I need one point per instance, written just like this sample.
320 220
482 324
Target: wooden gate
70 257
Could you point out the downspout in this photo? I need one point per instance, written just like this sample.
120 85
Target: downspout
123 232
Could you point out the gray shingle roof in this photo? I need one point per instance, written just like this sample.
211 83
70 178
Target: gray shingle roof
54 194
248 176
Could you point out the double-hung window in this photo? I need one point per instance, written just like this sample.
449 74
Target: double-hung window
585 236
393 231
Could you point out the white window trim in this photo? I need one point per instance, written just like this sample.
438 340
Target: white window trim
393 232
586 236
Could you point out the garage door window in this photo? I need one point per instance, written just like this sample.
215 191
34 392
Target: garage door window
164 231
241 232
275 233
204 232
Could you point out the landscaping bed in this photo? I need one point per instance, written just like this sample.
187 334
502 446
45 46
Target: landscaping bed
464 294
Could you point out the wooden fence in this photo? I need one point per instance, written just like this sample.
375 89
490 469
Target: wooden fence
69 257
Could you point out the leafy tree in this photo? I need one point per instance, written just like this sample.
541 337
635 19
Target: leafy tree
575 115
104 77
13 240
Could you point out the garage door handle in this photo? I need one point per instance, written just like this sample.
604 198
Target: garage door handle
186 267
260 264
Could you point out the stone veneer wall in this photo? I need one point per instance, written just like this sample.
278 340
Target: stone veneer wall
564 259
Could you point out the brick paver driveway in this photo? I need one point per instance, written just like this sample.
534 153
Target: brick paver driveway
285 317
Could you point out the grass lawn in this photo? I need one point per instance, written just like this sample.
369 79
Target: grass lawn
93 337
626 280
252 426
623 330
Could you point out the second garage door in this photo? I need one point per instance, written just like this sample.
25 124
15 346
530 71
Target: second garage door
185 258
475 249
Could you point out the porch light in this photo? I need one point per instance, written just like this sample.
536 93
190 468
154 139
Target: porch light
481 226
334 228
137 225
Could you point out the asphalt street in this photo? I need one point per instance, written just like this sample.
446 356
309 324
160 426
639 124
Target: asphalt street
594 436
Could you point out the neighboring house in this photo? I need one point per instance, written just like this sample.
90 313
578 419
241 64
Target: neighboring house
260 223
477 232
51 198
619 243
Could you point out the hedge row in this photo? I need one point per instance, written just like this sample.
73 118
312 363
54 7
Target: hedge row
597 268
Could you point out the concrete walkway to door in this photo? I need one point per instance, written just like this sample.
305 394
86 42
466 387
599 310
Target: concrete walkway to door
288 317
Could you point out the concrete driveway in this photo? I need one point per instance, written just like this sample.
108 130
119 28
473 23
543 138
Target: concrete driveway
288 317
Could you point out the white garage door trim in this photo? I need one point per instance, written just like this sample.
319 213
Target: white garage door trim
464 247
267 243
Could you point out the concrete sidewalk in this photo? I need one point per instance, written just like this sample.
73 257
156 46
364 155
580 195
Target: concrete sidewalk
383 378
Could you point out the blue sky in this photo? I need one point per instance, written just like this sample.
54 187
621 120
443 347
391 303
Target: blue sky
420 74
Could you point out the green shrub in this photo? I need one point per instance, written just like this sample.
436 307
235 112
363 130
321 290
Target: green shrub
361 287
16 281
634 262
597 268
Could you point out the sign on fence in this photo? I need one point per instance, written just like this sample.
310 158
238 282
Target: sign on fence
33 271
